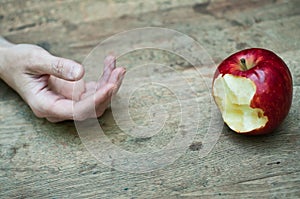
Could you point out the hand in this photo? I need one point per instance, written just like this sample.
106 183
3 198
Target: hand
46 83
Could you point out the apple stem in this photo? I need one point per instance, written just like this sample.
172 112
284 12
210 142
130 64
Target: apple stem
244 66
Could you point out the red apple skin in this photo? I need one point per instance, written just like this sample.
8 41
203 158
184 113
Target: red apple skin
273 80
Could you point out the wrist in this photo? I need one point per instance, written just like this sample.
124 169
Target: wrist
4 43
3 57
2 60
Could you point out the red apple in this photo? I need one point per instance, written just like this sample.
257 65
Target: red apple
253 90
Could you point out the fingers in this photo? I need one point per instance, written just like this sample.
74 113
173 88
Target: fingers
96 103
45 63
65 109
64 68
117 75
109 66
87 108
117 78
36 60
60 110
69 89
92 106
90 88
92 101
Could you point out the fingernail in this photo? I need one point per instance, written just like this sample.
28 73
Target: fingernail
123 74
75 73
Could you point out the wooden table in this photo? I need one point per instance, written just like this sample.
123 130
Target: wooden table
39 159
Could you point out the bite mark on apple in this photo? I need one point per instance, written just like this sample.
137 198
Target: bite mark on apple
233 96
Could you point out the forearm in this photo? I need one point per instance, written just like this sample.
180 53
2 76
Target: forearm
2 59
4 44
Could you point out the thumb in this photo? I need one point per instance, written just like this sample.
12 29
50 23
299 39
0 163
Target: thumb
60 67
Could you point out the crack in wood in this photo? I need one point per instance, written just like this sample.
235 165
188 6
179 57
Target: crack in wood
23 27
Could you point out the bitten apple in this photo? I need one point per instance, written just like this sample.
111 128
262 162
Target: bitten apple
253 89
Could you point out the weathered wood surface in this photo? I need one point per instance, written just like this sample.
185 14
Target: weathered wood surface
43 160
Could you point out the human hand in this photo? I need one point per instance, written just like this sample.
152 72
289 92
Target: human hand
46 83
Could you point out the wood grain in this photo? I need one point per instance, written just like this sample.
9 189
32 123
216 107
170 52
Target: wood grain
43 160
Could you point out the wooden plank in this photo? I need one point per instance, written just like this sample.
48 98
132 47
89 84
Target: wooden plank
42 160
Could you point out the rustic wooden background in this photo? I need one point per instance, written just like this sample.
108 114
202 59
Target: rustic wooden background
39 159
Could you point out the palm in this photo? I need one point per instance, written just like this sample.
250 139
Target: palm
47 82
62 94
58 99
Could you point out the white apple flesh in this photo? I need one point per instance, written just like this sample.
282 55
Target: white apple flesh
233 96
253 91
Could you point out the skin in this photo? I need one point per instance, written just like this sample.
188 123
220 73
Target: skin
46 82
273 82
